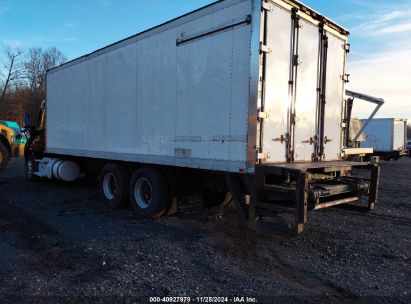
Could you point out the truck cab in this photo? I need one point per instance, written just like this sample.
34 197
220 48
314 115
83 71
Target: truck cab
36 143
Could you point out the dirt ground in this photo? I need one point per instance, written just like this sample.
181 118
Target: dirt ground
58 242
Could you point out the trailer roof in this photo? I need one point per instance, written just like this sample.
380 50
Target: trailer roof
314 14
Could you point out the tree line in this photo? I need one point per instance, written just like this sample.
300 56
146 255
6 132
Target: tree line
23 80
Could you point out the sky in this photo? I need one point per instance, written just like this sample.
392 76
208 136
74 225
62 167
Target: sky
379 61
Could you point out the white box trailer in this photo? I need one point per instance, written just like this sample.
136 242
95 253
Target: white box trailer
239 86
387 136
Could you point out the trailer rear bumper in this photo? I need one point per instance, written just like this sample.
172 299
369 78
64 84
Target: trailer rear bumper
298 188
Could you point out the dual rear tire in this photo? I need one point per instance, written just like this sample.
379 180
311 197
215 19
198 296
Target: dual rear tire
149 192
114 182
146 189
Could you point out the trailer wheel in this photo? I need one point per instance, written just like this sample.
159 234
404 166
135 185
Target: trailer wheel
149 192
114 180
4 157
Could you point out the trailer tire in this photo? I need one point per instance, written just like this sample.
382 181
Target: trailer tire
149 192
114 181
4 157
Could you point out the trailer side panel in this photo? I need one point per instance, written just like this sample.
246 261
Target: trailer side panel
177 97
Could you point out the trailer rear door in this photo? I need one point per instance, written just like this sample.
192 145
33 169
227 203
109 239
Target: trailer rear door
276 93
334 94
303 86
305 99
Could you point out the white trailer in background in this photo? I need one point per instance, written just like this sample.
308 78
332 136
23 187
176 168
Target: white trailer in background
354 129
241 96
387 136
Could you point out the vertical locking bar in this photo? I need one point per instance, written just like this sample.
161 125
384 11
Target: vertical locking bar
321 93
295 26
264 52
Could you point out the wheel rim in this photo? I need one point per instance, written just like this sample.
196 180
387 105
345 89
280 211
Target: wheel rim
143 193
29 168
110 186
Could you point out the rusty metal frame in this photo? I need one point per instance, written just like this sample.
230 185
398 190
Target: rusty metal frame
301 202
374 185
252 184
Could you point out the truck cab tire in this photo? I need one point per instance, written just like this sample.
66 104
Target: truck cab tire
4 157
149 192
114 181
30 168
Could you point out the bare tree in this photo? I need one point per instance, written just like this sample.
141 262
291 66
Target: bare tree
38 61
32 66
37 64
11 70
23 80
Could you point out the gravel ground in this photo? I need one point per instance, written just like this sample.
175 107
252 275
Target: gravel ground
58 242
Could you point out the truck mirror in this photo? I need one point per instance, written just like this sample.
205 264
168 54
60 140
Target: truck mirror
27 120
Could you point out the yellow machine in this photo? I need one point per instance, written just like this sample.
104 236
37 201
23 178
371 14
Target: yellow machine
8 147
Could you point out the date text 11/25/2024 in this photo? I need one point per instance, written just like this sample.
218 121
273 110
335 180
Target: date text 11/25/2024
235 299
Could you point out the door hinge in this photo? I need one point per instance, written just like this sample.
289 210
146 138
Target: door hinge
298 24
347 47
346 78
296 60
327 140
263 115
263 156
267 6
264 48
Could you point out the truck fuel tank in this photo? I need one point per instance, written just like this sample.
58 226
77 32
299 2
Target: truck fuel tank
65 170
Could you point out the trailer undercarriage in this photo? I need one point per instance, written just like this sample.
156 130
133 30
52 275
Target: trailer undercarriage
296 188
